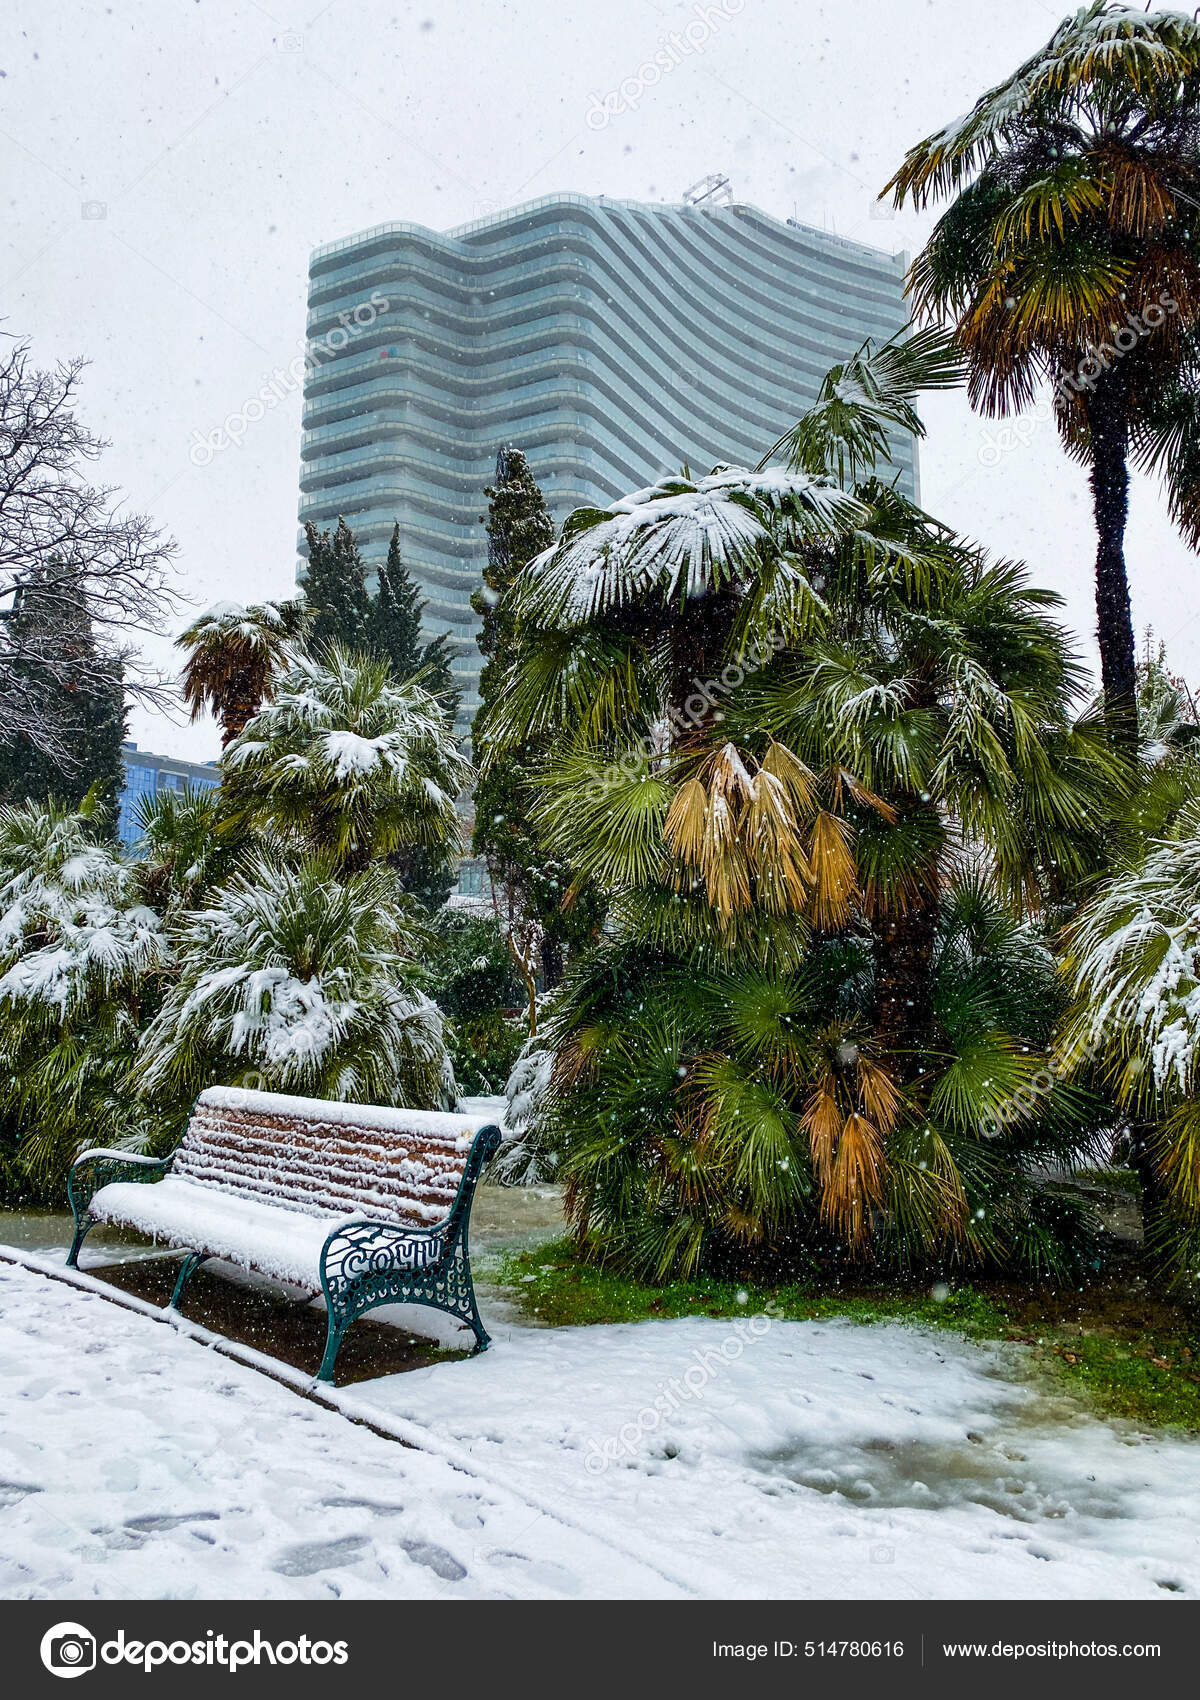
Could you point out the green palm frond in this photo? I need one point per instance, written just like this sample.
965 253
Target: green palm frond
605 812
864 401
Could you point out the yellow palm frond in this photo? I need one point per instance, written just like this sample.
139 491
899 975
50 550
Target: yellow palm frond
1139 201
784 873
834 873
856 1185
684 824
800 780
821 1120
879 1094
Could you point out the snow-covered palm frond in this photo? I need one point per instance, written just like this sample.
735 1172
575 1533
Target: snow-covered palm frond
1134 961
349 760
1116 46
258 628
305 982
72 931
527 1157
678 540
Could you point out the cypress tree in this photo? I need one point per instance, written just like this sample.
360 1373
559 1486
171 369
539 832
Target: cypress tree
335 587
519 528
394 630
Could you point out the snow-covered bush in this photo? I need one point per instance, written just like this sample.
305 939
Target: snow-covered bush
348 762
527 1158
80 959
1133 960
294 979
1135 968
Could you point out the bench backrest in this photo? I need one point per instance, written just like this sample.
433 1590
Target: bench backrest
324 1158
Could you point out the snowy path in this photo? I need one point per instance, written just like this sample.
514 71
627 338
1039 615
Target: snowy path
136 1464
807 1459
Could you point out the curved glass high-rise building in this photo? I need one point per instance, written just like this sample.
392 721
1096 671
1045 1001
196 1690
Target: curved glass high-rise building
610 341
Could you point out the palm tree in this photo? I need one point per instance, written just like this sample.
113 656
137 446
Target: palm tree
953 706
304 980
80 958
233 652
786 706
344 760
1071 255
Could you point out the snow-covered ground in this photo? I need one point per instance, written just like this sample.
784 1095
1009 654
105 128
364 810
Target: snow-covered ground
783 1459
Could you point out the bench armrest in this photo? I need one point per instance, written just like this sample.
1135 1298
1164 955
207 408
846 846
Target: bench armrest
144 1169
102 1154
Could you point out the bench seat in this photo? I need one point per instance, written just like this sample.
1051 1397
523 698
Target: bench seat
245 1231
369 1204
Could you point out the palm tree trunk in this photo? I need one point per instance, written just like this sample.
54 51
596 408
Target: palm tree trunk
904 981
1108 424
1154 1197
241 703
700 641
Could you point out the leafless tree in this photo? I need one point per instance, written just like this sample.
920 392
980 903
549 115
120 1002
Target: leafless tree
71 540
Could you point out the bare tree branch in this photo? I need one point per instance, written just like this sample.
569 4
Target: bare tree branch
69 541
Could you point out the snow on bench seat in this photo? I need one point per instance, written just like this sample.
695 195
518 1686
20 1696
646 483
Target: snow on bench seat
261 1179
275 1242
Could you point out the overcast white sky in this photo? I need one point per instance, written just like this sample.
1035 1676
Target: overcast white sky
168 165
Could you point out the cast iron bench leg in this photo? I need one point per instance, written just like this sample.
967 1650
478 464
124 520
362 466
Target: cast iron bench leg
187 1269
334 1331
81 1229
482 1338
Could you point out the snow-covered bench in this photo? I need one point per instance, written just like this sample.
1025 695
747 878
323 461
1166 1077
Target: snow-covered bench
369 1205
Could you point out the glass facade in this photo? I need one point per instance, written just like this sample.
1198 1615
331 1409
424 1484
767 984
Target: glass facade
146 776
612 342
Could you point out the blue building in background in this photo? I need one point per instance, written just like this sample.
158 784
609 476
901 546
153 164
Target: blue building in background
147 775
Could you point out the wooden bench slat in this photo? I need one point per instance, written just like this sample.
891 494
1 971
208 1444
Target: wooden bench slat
320 1165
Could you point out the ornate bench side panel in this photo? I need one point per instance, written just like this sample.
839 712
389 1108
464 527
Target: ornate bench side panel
366 1264
100 1167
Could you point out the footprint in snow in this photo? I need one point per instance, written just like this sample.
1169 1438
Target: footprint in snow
541 1572
11 1492
157 1522
308 1557
435 1558
347 1502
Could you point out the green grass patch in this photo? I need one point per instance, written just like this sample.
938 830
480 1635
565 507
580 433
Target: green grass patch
551 1283
1127 1351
